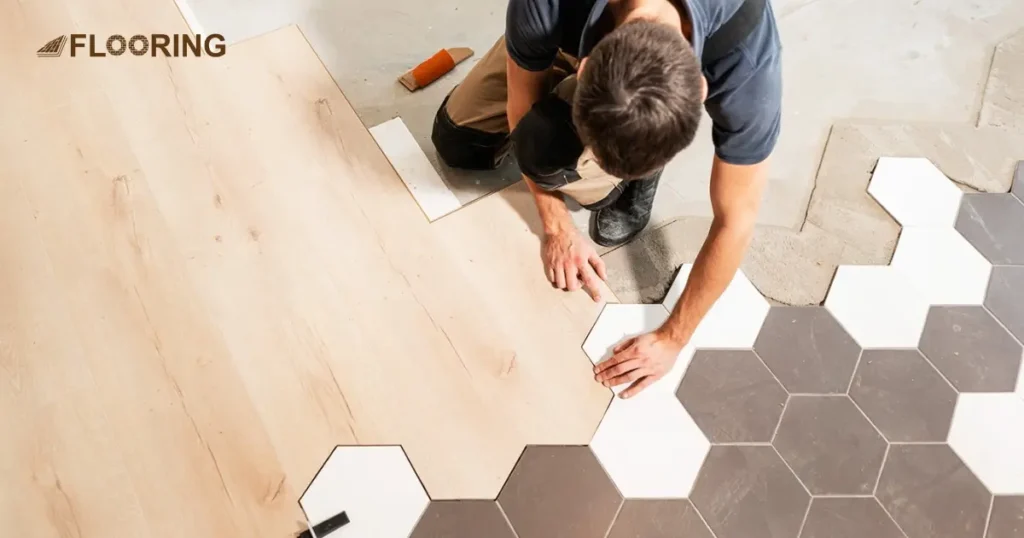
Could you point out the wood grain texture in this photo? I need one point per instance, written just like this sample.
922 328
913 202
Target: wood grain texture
210 276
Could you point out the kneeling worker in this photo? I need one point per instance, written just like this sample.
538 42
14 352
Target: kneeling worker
594 98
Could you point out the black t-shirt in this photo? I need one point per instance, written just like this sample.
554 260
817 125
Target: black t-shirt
744 88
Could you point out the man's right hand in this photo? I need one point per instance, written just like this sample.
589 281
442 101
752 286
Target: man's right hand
570 261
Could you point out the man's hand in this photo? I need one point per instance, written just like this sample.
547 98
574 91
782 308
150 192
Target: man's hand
641 360
570 262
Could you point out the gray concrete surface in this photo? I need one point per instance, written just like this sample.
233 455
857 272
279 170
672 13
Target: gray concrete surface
902 60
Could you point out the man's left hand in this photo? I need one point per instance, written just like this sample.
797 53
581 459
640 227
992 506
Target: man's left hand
640 360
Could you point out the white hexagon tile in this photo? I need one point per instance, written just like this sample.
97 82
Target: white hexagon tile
988 434
915 192
618 322
944 267
878 306
736 318
376 487
650 446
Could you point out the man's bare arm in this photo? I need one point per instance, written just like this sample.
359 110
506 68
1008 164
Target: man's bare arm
735 198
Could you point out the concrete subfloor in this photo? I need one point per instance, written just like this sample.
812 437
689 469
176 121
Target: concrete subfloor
898 61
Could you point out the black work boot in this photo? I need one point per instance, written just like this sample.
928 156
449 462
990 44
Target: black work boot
626 217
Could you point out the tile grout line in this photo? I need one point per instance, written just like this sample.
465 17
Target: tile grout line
856 368
807 515
878 480
616 516
988 517
778 426
887 514
799 481
701 516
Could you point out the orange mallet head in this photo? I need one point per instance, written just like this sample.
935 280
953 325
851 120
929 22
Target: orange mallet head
436 66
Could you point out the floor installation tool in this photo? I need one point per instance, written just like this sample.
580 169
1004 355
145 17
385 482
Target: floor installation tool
434 67
331 524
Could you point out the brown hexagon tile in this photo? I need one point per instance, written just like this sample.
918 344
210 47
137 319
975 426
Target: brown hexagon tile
930 493
1007 519
465 519
903 395
661 518
559 491
807 349
1005 297
829 444
732 396
746 491
968 346
849 517
993 224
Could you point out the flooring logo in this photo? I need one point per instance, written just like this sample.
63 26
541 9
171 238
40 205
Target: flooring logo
168 45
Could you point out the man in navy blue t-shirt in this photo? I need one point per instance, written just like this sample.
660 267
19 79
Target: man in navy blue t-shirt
594 97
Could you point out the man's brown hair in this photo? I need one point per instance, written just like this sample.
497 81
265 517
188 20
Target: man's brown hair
639 97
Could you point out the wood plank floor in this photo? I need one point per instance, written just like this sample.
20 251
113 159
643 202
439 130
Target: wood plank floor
210 276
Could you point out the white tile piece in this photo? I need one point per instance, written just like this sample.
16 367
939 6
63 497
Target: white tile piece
915 192
943 265
650 446
190 17
735 319
878 306
618 322
988 434
430 191
375 485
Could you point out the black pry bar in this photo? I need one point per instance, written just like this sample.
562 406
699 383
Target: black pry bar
326 527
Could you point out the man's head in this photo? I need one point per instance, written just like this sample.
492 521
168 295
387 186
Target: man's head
639 98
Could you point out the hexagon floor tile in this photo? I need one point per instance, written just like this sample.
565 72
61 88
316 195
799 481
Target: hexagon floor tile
830 446
662 518
559 491
736 318
942 265
915 192
650 446
732 396
1007 519
619 322
930 493
988 435
878 306
374 485
1004 299
903 395
746 491
968 346
849 517
807 349
473 519
992 223
1018 181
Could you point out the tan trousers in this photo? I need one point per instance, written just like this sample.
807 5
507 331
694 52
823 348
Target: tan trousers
479 103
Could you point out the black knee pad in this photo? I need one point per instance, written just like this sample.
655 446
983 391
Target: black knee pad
465 147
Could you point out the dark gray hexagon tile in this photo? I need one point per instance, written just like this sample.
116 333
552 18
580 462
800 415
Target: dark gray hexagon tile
849 517
732 396
971 349
807 349
559 492
903 395
930 493
1005 298
658 518
1007 519
829 444
464 519
746 491
993 224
